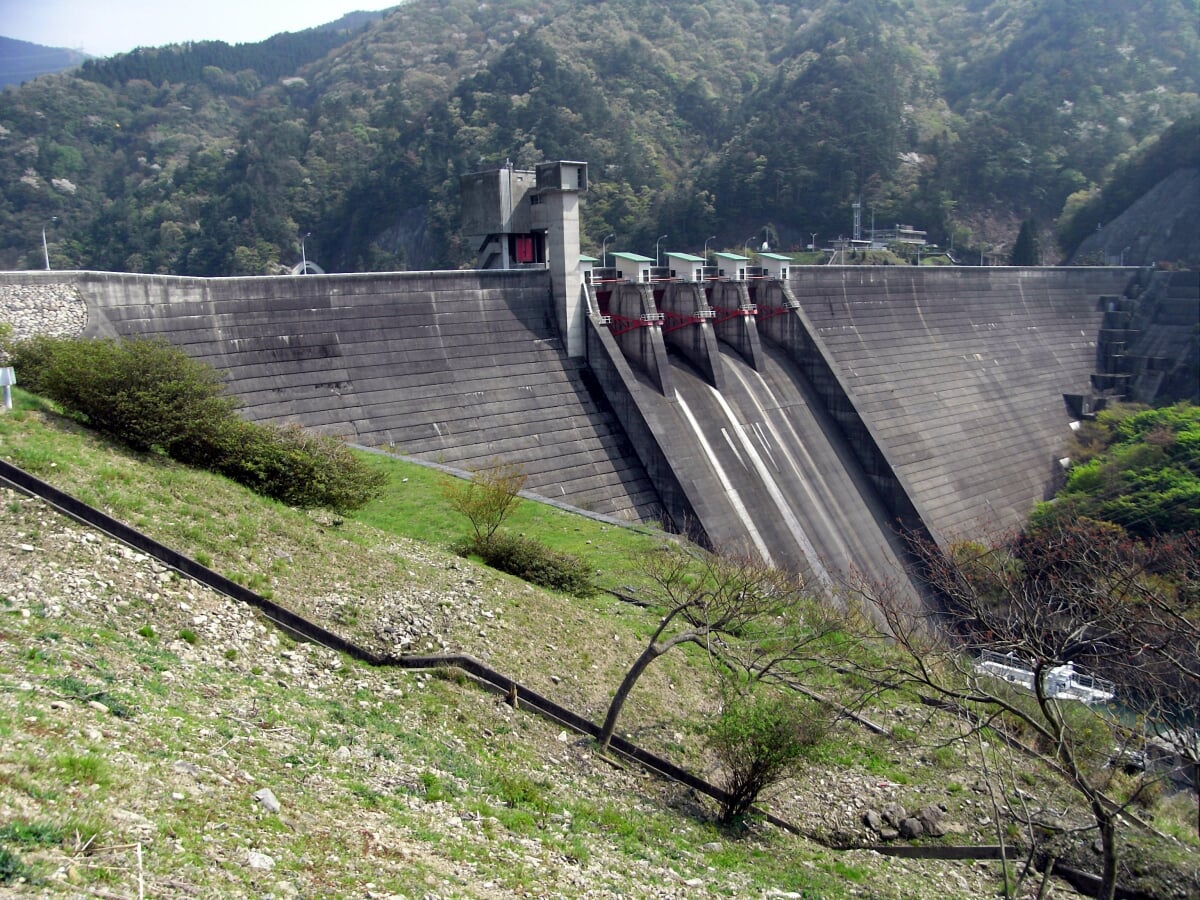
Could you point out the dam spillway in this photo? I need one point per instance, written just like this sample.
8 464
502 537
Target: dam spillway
888 393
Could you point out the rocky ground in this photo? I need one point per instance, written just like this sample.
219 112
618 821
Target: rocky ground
169 742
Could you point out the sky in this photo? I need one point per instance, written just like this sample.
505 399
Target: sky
105 27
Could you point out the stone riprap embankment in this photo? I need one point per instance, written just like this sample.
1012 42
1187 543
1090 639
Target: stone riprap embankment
50 309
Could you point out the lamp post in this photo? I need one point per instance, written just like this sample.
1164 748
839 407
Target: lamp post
813 245
746 246
706 240
604 250
303 255
657 261
45 247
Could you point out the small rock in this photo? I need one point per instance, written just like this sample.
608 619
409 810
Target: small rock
256 859
267 799
133 820
911 828
894 814
933 820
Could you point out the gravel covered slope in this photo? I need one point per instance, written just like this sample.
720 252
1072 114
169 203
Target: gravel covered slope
161 740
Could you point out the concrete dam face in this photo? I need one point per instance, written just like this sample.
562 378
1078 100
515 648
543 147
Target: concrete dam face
823 415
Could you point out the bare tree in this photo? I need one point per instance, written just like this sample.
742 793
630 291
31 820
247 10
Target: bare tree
1043 602
748 615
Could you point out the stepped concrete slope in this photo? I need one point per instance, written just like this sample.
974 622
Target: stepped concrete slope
1158 350
460 368
958 376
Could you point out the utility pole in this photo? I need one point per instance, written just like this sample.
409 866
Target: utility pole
45 246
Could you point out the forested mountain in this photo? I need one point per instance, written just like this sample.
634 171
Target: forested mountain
700 117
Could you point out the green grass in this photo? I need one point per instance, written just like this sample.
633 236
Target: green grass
31 834
435 748
412 506
86 768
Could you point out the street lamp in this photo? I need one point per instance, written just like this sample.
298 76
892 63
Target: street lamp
746 246
303 255
604 251
657 261
813 245
706 240
45 248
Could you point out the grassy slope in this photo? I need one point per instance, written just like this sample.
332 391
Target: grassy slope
393 783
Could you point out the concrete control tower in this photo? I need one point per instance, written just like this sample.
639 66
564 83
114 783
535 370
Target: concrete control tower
518 218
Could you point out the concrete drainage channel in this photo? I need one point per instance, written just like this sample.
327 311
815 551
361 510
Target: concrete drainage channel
516 694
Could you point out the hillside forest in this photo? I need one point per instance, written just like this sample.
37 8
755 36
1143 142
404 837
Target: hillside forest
699 119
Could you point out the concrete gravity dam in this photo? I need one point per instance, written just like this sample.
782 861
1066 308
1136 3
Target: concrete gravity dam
815 415
810 416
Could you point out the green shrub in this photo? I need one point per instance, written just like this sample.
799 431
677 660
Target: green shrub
487 498
536 563
297 467
761 739
155 398
11 867
143 393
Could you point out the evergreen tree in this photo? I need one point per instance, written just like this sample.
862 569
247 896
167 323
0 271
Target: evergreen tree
1027 250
